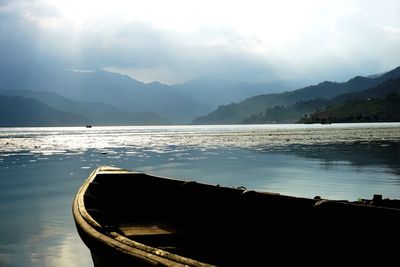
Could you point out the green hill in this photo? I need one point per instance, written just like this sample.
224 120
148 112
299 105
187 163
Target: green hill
386 109
376 104
237 112
293 113
287 114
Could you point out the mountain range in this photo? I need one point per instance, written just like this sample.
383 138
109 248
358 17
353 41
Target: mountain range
29 108
105 98
253 106
378 104
31 112
177 103
212 92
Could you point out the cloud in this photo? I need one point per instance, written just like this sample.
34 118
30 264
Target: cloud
257 41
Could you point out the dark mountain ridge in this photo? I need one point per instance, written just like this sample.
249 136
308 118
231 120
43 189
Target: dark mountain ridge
88 112
237 112
377 104
20 111
178 103
293 113
110 88
213 92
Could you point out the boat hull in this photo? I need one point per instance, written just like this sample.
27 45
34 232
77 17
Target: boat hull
134 219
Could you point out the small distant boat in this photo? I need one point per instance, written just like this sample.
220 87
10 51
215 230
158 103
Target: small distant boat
134 219
88 126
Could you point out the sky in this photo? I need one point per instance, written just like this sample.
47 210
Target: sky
177 40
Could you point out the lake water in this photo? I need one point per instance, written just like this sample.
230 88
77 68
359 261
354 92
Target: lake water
42 168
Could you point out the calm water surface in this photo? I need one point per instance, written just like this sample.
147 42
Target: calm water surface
42 168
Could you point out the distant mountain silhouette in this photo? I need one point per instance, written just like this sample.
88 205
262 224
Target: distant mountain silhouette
21 111
121 95
287 114
293 113
379 91
213 92
238 112
110 88
87 112
128 94
377 104
178 103
59 102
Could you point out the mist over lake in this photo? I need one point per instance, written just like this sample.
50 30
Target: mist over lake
42 168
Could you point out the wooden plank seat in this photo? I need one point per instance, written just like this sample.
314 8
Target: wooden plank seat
158 235
137 229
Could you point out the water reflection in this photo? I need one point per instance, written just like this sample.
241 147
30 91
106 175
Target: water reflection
36 227
385 154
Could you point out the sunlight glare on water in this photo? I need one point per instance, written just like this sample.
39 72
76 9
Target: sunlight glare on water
75 139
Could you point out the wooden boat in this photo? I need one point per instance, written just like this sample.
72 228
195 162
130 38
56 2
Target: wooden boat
134 219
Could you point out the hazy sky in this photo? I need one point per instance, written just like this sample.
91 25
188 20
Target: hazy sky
175 40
